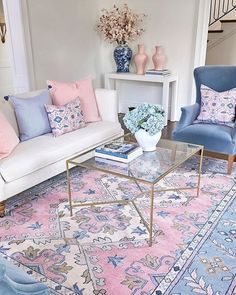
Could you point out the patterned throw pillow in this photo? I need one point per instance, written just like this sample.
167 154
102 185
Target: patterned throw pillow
217 107
64 119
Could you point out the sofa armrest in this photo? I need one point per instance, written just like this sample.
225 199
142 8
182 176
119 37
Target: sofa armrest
189 114
107 102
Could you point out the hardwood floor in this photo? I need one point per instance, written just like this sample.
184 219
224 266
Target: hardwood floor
166 134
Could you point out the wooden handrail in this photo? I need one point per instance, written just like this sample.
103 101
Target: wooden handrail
219 8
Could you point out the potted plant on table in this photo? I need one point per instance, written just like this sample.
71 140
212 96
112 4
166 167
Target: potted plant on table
146 122
121 25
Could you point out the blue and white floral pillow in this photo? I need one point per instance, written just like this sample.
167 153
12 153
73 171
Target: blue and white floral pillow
217 107
64 119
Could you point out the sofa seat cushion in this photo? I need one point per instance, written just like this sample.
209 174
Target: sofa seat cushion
39 152
213 137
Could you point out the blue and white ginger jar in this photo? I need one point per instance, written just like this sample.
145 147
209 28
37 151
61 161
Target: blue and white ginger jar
122 56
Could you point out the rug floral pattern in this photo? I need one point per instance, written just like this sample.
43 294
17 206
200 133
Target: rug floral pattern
103 250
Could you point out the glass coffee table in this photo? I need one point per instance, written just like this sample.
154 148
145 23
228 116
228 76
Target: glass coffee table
148 170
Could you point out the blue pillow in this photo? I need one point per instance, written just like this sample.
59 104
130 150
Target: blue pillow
31 116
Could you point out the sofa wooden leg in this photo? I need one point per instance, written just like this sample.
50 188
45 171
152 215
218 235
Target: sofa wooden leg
230 163
2 209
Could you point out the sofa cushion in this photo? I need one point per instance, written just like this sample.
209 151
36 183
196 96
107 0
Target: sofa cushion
8 137
67 118
39 152
31 116
62 93
8 110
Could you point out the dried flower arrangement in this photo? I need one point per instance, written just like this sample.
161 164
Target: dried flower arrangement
120 25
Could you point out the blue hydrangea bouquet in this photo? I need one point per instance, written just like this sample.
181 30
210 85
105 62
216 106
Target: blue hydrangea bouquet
149 117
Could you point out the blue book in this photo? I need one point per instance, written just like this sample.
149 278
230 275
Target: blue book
116 149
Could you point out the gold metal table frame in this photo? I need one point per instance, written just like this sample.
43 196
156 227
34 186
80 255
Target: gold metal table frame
149 226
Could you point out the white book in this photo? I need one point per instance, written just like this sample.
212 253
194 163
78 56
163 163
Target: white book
157 74
133 155
158 71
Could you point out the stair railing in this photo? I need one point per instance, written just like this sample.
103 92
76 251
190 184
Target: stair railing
219 8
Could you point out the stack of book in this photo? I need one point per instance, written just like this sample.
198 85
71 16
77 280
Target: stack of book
121 152
164 72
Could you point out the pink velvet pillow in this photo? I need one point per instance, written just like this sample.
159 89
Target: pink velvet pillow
62 93
8 137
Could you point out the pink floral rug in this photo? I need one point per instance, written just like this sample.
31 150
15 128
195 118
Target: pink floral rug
104 251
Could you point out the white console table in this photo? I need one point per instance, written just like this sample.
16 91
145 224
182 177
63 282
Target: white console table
166 81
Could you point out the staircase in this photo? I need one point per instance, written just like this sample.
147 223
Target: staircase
219 9
222 21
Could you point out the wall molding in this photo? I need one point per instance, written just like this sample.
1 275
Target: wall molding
16 15
28 43
202 33
201 38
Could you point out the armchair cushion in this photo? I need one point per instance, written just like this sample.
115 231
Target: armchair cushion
213 137
217 107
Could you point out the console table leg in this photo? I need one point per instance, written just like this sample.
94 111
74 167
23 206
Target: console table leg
174 101
165 99
2 209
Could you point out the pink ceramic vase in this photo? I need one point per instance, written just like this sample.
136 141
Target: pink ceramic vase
140 60
159 58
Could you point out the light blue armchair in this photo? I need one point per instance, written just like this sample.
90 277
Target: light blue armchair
216 138
13 281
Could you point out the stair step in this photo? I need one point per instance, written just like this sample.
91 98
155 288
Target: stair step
228 21
215 31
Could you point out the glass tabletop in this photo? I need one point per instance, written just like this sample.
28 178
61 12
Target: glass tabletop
150 167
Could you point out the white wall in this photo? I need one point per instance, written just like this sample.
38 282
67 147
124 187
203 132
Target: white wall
169 23
223 53
64 43
66 46
6 82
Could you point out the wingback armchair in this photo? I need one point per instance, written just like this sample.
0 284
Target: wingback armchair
15 281
214 137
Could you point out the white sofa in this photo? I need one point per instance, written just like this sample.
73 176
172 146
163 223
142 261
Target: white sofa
43 157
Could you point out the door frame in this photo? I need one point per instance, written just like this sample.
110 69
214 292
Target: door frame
201 38
20 49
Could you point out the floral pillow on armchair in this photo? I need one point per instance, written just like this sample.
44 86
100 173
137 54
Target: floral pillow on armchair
217 107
